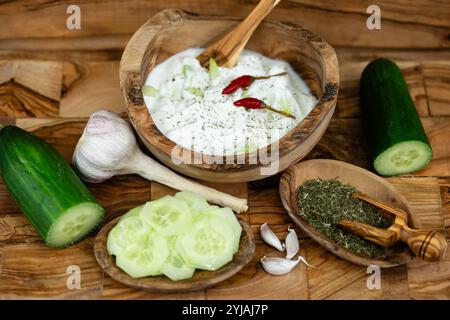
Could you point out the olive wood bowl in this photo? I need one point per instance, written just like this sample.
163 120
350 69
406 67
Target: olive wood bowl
366 182
201 279
172 31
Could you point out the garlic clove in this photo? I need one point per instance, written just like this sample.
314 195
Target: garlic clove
270 237
292 245
278 266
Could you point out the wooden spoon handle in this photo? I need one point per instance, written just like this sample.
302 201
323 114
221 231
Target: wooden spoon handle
383 237
427 245
227 50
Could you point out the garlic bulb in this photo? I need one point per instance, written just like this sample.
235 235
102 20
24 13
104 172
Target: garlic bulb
270 237
108 147
292 245
105 147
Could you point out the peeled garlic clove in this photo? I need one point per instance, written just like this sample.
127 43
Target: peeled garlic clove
278 266
270 237
292 245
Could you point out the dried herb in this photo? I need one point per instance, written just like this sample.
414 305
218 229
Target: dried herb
323 203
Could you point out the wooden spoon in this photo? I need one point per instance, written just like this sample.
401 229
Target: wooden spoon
226 51
425 244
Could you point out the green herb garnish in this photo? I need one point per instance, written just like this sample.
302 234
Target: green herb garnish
149 91
213 69
323 203
196 92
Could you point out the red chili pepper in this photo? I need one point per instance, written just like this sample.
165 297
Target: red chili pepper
249 103
241 82
245 81
253 103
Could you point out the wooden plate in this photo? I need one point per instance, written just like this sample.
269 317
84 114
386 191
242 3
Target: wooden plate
365 182
200 280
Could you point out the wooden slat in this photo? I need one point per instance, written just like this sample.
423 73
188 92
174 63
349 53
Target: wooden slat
422 25
348 105
63 55
120 194
89 87
7 203
344 140
429 280
437 82
444 184
35 271
19 101
113 290
438 132
339 279
15 228
423 194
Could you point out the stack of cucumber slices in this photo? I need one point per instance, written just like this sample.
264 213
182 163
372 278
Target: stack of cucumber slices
173 236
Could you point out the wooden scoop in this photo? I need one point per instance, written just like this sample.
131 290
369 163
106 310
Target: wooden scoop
226 51
427 245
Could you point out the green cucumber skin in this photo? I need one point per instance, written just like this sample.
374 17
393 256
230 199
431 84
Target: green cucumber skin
389 114
38 178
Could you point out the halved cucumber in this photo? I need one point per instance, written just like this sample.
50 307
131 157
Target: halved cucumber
144 258
168 215
395 134
175 267
194 201
74 224
228 215
208 244
403 157
129 231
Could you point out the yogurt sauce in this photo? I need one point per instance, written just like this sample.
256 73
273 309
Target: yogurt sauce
187 105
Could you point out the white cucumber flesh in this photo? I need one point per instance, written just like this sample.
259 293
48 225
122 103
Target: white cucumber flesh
74 224
168 216
404 157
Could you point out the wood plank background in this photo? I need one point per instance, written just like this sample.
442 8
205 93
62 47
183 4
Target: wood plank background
52 78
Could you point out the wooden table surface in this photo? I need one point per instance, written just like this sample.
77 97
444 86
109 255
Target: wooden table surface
52 78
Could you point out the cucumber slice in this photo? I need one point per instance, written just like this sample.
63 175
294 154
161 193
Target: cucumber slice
208 244
144 258
132 213
175 267
129 231
168 215
228 215
404 157
75 224
195 202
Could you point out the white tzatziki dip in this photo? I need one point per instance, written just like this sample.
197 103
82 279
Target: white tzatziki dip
186 103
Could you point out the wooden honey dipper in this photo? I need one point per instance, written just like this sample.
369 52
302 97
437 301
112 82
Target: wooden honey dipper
427 245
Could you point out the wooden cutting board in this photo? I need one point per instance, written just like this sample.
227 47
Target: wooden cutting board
29 269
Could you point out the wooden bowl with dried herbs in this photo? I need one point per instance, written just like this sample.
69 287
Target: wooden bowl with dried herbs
317 194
